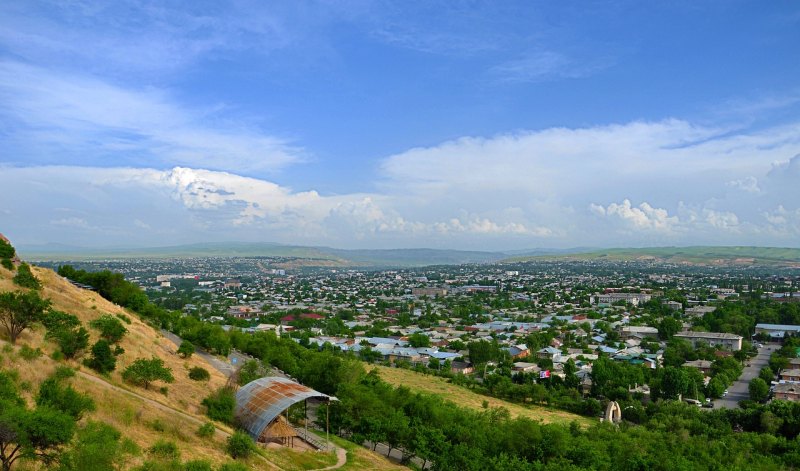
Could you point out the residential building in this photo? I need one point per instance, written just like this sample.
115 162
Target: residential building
787 391
777 330
791 375
611 298
638 331
703 365
729 341
429 292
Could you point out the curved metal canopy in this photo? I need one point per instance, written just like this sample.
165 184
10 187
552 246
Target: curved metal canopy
260 401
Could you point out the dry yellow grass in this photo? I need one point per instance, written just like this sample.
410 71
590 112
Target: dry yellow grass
141 341
143 421
465 398
145 416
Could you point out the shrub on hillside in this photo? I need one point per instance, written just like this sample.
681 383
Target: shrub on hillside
198 373
25 278
165 450
197 465
28 353
110 328
206 430
102 359
220 405
233 466
72 341
64 398
99 447
240 445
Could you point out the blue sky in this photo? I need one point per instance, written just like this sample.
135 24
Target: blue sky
475 125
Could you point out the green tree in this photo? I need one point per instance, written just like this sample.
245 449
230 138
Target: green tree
759 389
102 359
674 382
142 372
35 434
18 310
767 374
72 341
418 340
25 278
186 349
98 447
63 398
54 320
6 250
483 351
111 329
715 388
251 370
240 445
668 327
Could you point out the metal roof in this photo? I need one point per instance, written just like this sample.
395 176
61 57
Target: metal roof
260 401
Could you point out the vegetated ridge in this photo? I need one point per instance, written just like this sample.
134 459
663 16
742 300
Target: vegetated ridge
415 257
698 255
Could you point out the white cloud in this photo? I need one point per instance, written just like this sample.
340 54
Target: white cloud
72 222
640 183
82 119
725 220
642 217
747 184
542 65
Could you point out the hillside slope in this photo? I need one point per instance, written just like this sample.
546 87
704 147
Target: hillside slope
144 416
471 400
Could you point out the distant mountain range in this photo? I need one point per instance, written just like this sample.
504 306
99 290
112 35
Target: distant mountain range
424 256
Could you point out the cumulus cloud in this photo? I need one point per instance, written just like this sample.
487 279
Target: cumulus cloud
641 217
639 183
747 184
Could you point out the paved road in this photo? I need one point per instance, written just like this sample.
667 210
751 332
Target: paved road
739 390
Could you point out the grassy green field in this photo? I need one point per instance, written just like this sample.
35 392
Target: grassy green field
472 400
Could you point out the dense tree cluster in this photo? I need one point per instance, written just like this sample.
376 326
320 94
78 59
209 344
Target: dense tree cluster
741 317
40 433
115 288
671 435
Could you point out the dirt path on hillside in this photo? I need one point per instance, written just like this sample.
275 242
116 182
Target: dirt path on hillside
341 459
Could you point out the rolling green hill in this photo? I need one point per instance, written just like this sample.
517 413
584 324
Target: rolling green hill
701 255
331 257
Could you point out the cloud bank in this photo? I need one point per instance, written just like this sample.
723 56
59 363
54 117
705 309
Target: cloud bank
641 183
